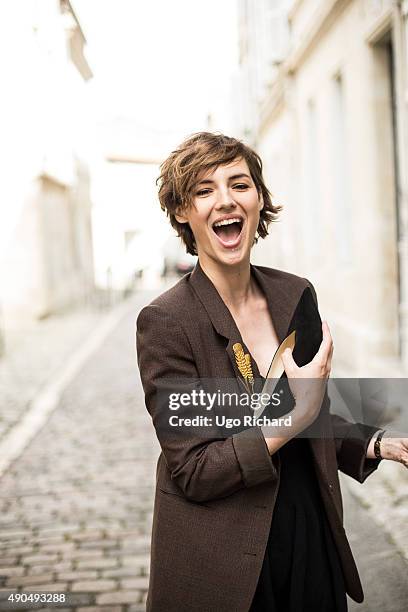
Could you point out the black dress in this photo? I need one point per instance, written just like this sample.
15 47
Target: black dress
301 570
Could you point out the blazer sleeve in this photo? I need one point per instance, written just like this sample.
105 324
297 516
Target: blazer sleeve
351 440
204 469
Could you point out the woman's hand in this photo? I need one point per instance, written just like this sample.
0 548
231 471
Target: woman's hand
308 383
394 446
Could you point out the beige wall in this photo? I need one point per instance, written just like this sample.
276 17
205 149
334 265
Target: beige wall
327 144
46 245
48 263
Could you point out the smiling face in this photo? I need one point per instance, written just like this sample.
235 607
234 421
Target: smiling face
224 214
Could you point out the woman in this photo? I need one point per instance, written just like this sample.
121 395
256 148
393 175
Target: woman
250 521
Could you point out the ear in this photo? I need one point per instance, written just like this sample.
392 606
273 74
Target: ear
261 202
180 217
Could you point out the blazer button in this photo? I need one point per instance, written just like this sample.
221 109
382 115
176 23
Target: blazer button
331 487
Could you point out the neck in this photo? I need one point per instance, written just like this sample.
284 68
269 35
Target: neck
233 283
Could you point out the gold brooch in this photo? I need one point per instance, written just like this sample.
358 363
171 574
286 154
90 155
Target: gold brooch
243 362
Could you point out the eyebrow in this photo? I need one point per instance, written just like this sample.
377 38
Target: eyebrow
231 178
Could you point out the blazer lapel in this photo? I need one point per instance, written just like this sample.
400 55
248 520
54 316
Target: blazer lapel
219 314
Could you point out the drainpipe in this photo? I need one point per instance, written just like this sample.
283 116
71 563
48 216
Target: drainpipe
401 16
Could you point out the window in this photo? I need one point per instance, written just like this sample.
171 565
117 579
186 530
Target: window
341 175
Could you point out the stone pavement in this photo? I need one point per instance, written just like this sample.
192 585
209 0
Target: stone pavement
383 570
385 497
76 506
35 351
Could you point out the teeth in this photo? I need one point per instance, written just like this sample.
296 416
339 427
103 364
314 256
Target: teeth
226 222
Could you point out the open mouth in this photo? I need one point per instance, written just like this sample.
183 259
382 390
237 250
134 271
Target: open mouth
229 231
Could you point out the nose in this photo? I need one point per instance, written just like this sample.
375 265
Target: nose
225 199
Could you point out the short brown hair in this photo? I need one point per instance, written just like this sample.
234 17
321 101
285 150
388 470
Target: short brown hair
205 151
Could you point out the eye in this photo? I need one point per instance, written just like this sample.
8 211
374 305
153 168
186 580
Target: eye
207 191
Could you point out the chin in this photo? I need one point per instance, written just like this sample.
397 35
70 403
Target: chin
233 259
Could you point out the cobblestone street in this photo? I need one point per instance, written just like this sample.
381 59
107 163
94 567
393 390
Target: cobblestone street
35 351
76 506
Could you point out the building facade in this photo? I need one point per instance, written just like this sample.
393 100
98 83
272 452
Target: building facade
325 104
46 238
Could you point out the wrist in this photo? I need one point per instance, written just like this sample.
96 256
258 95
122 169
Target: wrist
371 445
377 445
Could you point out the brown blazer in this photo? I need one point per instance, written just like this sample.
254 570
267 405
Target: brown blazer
215 497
